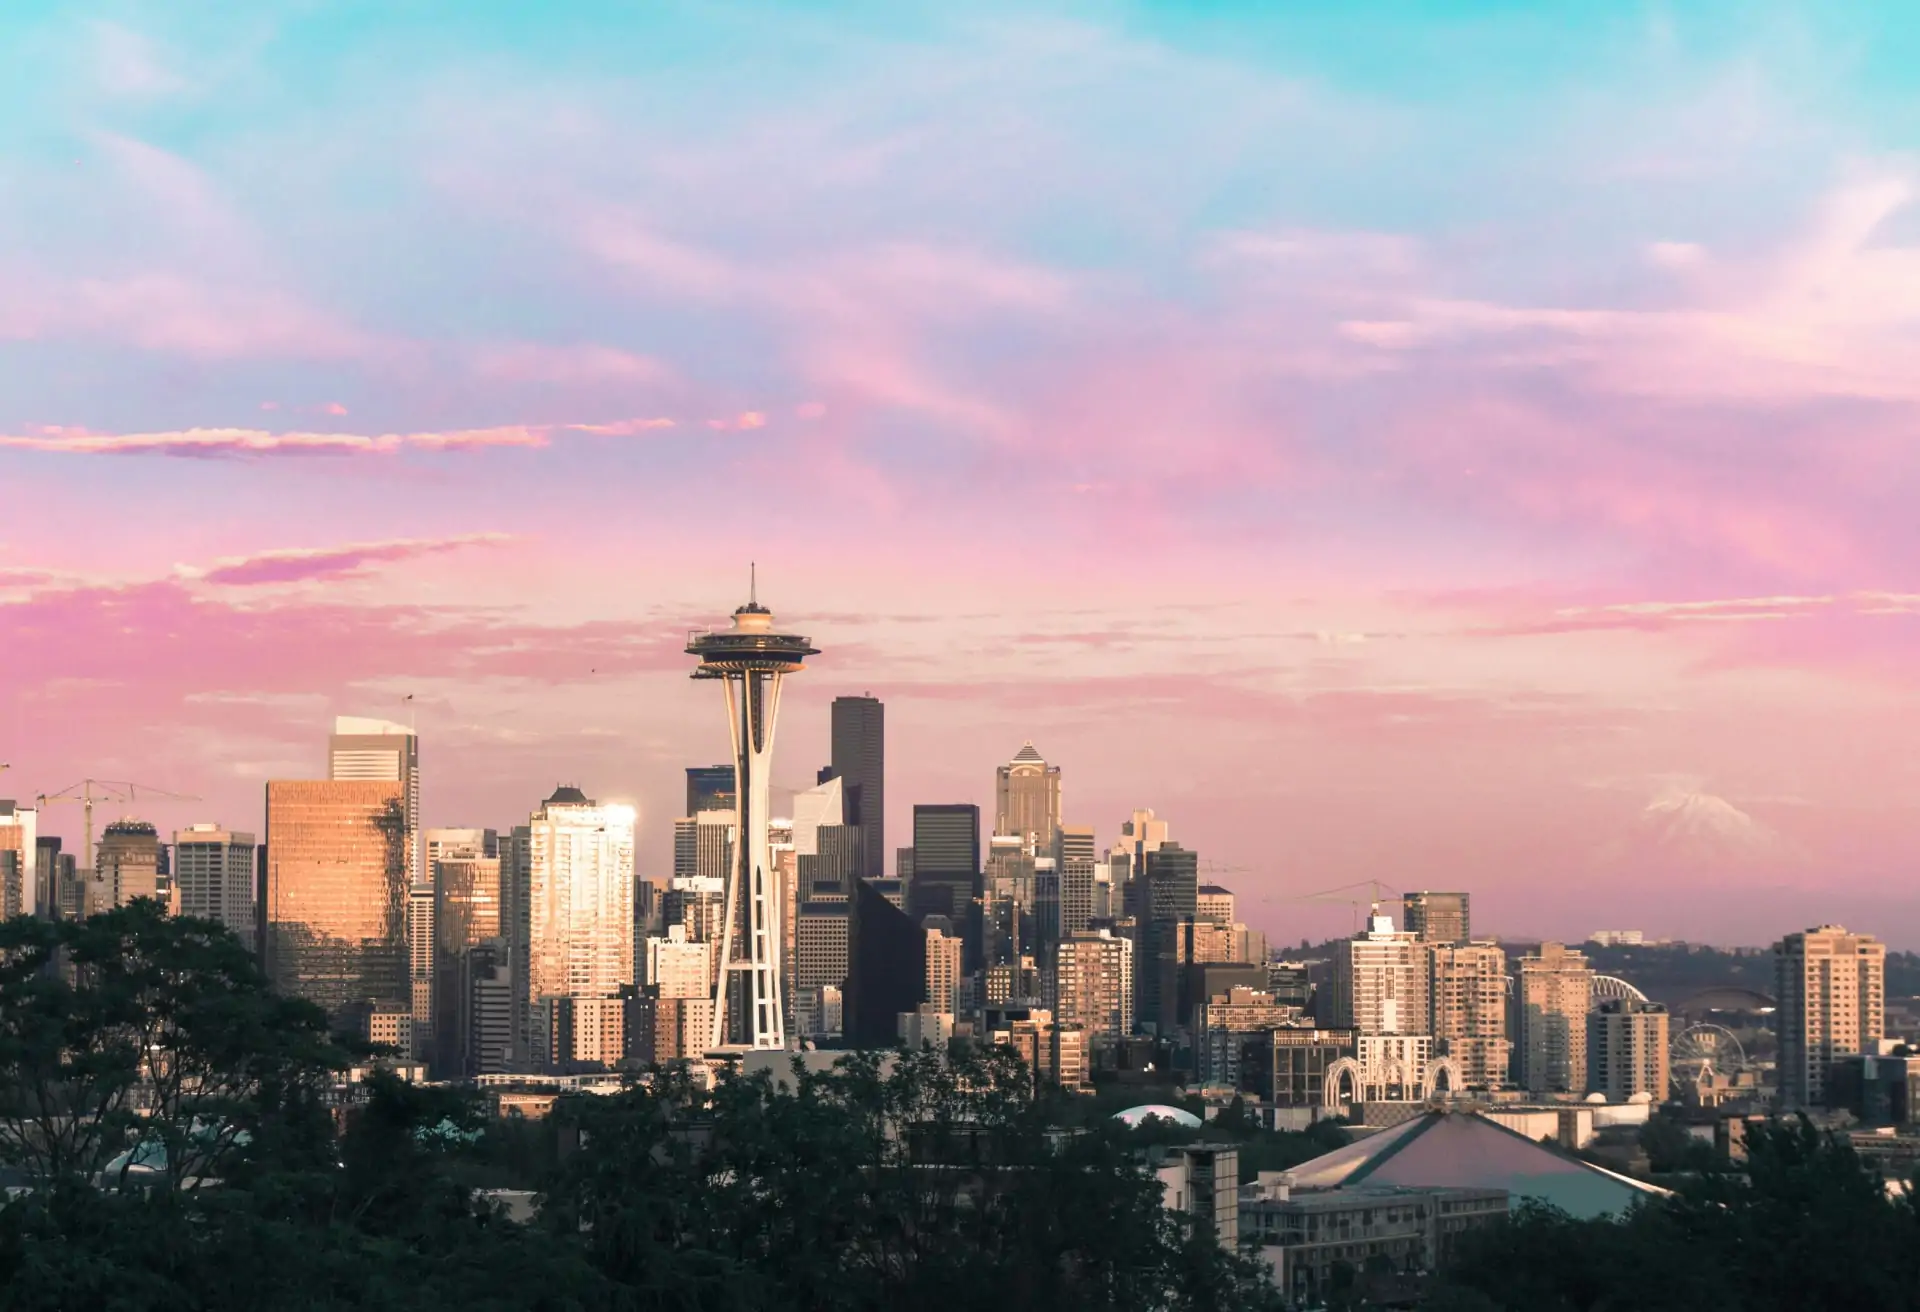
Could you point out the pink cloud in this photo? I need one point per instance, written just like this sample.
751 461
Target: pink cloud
626 427
299 564
213 442
253 442
333 408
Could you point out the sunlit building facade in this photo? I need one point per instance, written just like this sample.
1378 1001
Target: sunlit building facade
581 948
335 896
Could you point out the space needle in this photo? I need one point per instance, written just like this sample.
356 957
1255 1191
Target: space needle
751 658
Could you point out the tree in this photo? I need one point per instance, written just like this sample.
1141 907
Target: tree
137 1038
1808 1225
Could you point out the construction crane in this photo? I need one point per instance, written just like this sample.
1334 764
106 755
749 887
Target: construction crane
1377 892
89 791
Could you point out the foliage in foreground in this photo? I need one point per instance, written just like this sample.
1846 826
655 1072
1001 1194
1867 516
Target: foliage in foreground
926 1182
1807 1227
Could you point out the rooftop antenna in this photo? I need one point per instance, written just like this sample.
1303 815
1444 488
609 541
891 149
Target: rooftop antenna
753 583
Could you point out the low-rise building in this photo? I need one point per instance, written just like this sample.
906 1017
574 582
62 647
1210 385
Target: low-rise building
1314 1242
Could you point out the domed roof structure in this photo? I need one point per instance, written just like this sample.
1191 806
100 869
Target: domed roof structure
1135 1116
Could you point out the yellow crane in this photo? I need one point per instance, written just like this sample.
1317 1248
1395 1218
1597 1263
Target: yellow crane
89 791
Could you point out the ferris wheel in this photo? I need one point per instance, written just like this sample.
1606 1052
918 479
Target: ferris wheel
1702 1050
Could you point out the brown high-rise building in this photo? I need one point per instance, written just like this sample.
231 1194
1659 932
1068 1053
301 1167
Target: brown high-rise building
1554 993
335 896
1027 800
1469 1000
1437 917
128 864
1832 990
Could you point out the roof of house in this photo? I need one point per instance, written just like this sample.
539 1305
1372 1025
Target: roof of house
1465 1150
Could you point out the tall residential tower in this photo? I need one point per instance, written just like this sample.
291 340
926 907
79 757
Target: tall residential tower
1832 988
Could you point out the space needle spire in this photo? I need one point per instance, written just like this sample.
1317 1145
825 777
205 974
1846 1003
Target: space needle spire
750 659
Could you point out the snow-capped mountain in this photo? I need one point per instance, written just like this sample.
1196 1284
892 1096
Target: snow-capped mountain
1692 825
1689 834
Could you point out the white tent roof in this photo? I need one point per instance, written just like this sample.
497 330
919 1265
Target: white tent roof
1463 1150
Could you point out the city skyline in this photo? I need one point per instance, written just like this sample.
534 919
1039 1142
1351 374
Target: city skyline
1535 525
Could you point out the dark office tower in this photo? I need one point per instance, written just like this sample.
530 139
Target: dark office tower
1436 917
709 788
16 884
46 874
946 870
886 968
860 762
1170 889
471 912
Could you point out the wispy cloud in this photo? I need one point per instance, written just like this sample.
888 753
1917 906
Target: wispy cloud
303 564
219 442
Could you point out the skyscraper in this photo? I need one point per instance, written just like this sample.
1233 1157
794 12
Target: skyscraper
19 891
1160 900
827 849
1093 984
1214 903
1142 833
1627 1049
128 865
48 880
581 953
1437 917
213 873
1027 800
946 870
943 970
335 896
362 749
749 661
1468 988
1554 993
1832 995
1380 981
1074 860
471 913
860 763
710 788
886 968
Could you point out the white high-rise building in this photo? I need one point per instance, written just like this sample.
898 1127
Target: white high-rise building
581 924
943 971
678 966
824 804
1380 981
214 877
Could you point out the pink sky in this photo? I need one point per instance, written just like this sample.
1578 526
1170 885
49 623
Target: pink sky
1376 492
